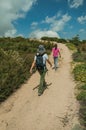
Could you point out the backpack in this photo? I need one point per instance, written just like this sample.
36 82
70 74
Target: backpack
39 62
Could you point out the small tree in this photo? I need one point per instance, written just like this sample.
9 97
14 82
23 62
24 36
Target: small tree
76 40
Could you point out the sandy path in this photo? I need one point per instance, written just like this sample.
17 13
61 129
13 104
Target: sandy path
56 109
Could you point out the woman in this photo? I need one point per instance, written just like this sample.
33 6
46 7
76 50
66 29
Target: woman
56 53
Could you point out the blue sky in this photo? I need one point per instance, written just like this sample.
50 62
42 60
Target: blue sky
38 18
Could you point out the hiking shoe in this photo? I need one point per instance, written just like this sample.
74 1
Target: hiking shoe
53 67
56 68
39 94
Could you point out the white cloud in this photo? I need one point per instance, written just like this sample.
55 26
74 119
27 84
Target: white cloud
55 24
58 25
40 33
34 25
49 20
82 19
10 33
71 27
75 3
81 30
59 14
11 10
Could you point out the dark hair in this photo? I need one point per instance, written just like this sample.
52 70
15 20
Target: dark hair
55 46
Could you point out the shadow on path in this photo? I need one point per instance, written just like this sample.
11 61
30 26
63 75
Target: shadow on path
46 86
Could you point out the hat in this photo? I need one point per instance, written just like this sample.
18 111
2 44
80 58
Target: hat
41 49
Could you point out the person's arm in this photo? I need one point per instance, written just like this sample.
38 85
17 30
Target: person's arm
59 53
49 62
32 66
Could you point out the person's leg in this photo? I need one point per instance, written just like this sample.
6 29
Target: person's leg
56 62
42 83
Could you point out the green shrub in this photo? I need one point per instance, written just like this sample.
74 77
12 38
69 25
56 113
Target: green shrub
80 72
79 57
82 112
77 127
71 46
14 70
83 87
82 47
82 96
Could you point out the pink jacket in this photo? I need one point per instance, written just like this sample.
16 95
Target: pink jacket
55 52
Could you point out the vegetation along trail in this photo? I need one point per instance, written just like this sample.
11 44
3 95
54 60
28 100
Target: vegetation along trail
56 109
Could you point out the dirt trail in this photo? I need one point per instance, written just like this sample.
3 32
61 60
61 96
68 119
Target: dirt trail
56 109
